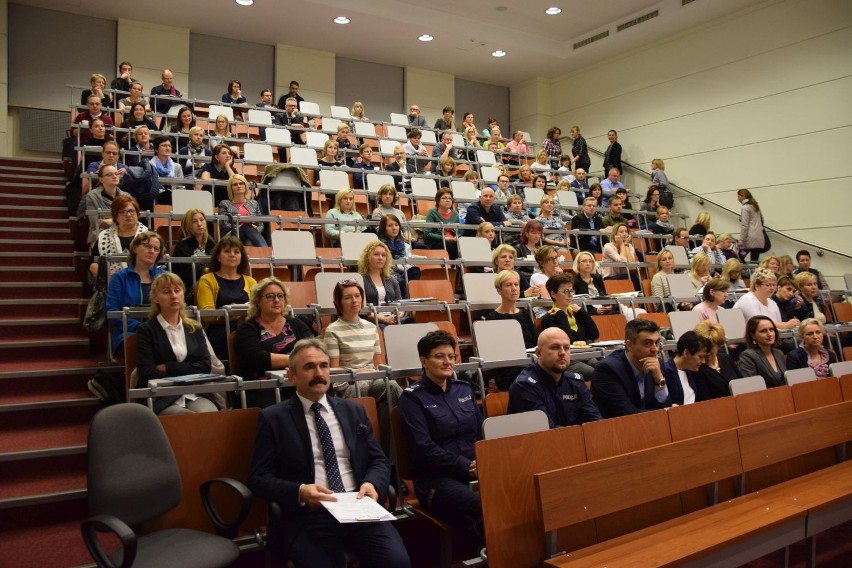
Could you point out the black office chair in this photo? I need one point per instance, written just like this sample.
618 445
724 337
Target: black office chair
133 477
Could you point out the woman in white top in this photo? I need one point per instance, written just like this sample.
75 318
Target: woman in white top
758 302
714 295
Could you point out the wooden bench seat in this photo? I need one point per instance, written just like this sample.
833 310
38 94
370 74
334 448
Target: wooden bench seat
732 532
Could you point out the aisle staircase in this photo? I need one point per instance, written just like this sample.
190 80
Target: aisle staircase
45 362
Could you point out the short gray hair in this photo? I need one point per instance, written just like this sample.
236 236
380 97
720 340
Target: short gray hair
301 345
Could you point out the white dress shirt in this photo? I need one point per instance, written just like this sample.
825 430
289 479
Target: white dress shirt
340 448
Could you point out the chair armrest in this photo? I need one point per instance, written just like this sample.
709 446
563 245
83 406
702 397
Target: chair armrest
114 525
391 502
225 528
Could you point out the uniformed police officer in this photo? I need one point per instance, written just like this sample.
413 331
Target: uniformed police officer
547 385
441 423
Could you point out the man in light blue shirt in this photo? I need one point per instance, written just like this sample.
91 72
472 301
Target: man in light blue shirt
611 184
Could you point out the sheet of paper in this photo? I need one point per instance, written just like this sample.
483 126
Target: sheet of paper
348 509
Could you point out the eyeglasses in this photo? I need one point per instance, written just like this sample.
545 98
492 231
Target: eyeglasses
443 356
567 291
128 212
151 247
272 297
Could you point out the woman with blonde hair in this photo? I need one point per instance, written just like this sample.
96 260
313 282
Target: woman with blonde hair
752 235
699 270
344 210
196 242
588 282
812 304
380 286
620 249
658 175
772 263
171 344
718 369
240 203
220 132
549 220
487 232
787 265
98 84
811 352
702 224
732 271
659 283
758 302
329 154
541 163
358 111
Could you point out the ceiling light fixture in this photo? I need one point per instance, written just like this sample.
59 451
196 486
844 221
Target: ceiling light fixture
341 20
553 10
245 2
499 53
426 37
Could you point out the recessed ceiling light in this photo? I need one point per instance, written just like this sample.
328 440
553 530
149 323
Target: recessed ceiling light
498 53
426 37
553 10
245 2
341 20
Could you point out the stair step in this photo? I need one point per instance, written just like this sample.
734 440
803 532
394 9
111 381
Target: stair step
25 527
24 245
11 274
39 289
42 212
49 431
46 259
49 369
55 390
35 327
55 307
32 163
42 476
16 199
37 350
30 223
32 190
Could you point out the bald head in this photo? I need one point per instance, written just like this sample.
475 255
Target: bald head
554 352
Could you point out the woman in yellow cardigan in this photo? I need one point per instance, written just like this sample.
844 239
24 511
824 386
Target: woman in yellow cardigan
227 283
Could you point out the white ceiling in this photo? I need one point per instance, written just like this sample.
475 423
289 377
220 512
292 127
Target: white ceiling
465 31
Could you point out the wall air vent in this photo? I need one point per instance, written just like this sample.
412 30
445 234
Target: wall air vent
639 20
591 39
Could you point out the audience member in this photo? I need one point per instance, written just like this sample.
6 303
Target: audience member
420 162
659 179
135 97
171 344
486 231
588 220
185 122
508 285
699 271
596 192
762 358
195 148
266 101
264 341
503 258
580 181
725 245
441 423
415 119
813 305
380 286
571 318
357 111
363 163
135 118
161 104
550 386
486 209
110 152
702 224
234 96
612 154
399 166
811 352
714 294
221 133
398 244
98 83
528 244
679 371
140 143
718 369
117 238
99 200
790 303
447 120
620 250
588 282
803 258
124 79
329 157
292 93
444 213
732 271
444 148
758 301
517 146
131 286
344 210
240 203
227 283
610 185
787 266
631 380
286 467
220 168
293 118
196 242
548 220
166 168
552 146
614 217
84 119
661 225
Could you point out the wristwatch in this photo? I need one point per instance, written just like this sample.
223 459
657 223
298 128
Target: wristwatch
661 384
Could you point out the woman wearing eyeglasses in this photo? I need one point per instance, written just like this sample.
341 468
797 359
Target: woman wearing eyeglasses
441 423
116 238
266 337
571 318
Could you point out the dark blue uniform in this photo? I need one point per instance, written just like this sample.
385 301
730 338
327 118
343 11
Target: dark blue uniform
440 430
566 404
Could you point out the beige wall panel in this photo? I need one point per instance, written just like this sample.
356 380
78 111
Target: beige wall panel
529 104
313 69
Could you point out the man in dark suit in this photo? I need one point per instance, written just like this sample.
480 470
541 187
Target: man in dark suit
589 220
311 446
631 381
